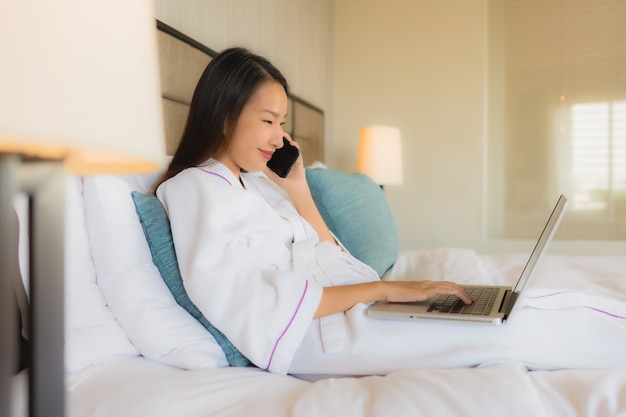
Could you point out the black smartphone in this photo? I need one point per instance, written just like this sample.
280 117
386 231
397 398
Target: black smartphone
283 159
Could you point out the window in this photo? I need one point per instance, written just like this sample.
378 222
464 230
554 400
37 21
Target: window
598 157
557 116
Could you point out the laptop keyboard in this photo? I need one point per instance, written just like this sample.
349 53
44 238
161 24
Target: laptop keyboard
483 302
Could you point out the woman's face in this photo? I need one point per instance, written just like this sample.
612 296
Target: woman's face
259 129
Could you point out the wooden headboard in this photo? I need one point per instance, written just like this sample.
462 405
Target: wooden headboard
182 61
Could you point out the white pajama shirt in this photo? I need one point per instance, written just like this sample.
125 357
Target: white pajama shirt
252 264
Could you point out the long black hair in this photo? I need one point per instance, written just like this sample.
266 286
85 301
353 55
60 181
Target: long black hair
226 85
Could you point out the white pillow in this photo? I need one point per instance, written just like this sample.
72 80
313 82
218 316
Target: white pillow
137 295
92 334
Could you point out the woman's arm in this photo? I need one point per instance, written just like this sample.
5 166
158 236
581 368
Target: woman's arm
341 298
300 194
303 200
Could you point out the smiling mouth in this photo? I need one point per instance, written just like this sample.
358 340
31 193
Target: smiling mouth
266 154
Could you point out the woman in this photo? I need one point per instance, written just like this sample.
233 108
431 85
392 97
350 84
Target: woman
246 237
260 263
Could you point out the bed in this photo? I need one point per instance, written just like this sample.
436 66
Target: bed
133 348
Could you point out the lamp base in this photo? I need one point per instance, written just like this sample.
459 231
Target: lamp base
44 183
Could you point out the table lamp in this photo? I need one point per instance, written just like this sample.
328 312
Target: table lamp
380 154
79 94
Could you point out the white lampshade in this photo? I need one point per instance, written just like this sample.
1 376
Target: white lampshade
380 154
79 81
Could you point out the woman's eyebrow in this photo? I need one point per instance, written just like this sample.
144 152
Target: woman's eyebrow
273 113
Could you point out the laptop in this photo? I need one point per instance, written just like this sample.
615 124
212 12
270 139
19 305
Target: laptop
492 304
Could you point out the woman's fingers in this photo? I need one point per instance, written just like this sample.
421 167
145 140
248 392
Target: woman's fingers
406 291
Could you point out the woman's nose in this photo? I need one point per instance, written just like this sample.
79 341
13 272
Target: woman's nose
277 142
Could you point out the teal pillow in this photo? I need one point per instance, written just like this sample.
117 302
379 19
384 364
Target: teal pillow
156 227
356 211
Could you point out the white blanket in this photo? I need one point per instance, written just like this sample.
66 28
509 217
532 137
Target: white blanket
575 326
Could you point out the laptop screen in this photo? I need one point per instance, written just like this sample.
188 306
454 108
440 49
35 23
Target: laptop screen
542 243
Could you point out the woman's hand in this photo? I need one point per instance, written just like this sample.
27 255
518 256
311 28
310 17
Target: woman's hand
300 194
406 291
341 298
296 178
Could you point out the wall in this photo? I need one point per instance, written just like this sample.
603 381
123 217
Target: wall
419 66
422 66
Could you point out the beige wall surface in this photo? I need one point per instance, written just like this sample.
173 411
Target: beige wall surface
422 66
418 65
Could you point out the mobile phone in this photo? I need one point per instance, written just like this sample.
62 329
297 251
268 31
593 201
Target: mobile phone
283 159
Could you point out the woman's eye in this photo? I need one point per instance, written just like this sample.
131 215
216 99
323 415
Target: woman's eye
269 122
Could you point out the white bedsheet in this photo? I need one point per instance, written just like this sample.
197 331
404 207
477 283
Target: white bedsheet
138 387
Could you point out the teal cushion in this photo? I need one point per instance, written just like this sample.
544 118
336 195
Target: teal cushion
356 211
156 227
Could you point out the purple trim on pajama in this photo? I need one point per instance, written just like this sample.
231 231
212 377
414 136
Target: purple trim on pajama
549 295
605 312
599 310
306 286
217 175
